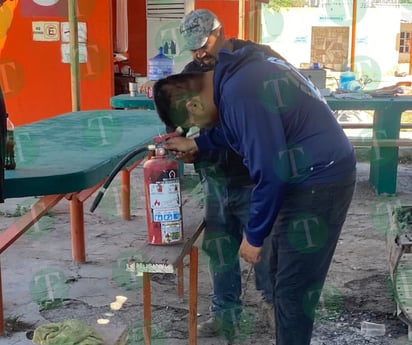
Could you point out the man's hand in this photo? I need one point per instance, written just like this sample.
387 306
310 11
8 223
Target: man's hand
187 157
181 146
248 252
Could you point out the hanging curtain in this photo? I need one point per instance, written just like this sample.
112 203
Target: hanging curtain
122 31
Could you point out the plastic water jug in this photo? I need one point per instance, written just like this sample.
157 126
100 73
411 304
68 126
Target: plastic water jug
348 81
159 66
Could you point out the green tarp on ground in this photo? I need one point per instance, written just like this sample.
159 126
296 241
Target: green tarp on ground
69 332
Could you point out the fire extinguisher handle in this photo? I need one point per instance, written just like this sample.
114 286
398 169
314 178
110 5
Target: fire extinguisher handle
162 138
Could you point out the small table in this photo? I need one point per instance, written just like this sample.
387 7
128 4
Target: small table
169 259
125 101
386 126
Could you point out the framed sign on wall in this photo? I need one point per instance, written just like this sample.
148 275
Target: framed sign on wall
330 46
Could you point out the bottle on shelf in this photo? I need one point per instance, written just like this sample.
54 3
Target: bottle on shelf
159 66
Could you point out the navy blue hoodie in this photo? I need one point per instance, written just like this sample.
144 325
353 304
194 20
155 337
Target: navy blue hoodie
274 118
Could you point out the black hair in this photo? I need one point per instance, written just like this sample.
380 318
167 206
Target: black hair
161 100
176 88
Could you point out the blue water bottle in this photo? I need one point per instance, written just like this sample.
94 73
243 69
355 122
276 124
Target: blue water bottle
159 66
347 81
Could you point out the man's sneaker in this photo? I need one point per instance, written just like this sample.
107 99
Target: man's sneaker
208 328
213 327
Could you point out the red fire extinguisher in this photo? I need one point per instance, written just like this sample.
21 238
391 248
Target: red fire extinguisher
163 199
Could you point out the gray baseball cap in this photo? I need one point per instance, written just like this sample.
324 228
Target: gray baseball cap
196 27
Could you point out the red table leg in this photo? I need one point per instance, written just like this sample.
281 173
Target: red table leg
180 283
125 189
147 312
125 194
193 277
77 230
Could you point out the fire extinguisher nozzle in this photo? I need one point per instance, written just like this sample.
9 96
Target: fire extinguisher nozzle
96 201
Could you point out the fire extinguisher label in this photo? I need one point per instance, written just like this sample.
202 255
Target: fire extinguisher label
166 215
171 232
164 194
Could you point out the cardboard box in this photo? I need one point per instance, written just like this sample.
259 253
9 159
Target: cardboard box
317 76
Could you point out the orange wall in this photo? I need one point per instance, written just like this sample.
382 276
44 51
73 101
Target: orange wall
226 11
35 82
37 85
137 36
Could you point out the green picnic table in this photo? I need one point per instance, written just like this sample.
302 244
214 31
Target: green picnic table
75 151
385 136
125 101
70 156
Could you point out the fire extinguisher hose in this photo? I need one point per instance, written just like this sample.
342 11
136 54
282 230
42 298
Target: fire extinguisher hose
114 172
158 140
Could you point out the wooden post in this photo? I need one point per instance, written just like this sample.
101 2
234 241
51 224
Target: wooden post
353 39
241 30
410 53
74 55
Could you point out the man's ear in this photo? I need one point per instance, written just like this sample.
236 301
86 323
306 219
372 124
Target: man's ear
220 31
194 105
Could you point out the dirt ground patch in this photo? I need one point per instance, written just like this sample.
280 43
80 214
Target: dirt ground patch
358 286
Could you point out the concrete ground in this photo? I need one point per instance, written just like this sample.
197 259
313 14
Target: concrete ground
42 285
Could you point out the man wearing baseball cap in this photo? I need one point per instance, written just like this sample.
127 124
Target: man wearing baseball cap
196 28
227 187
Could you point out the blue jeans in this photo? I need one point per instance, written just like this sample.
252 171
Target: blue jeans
304 239
227 213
